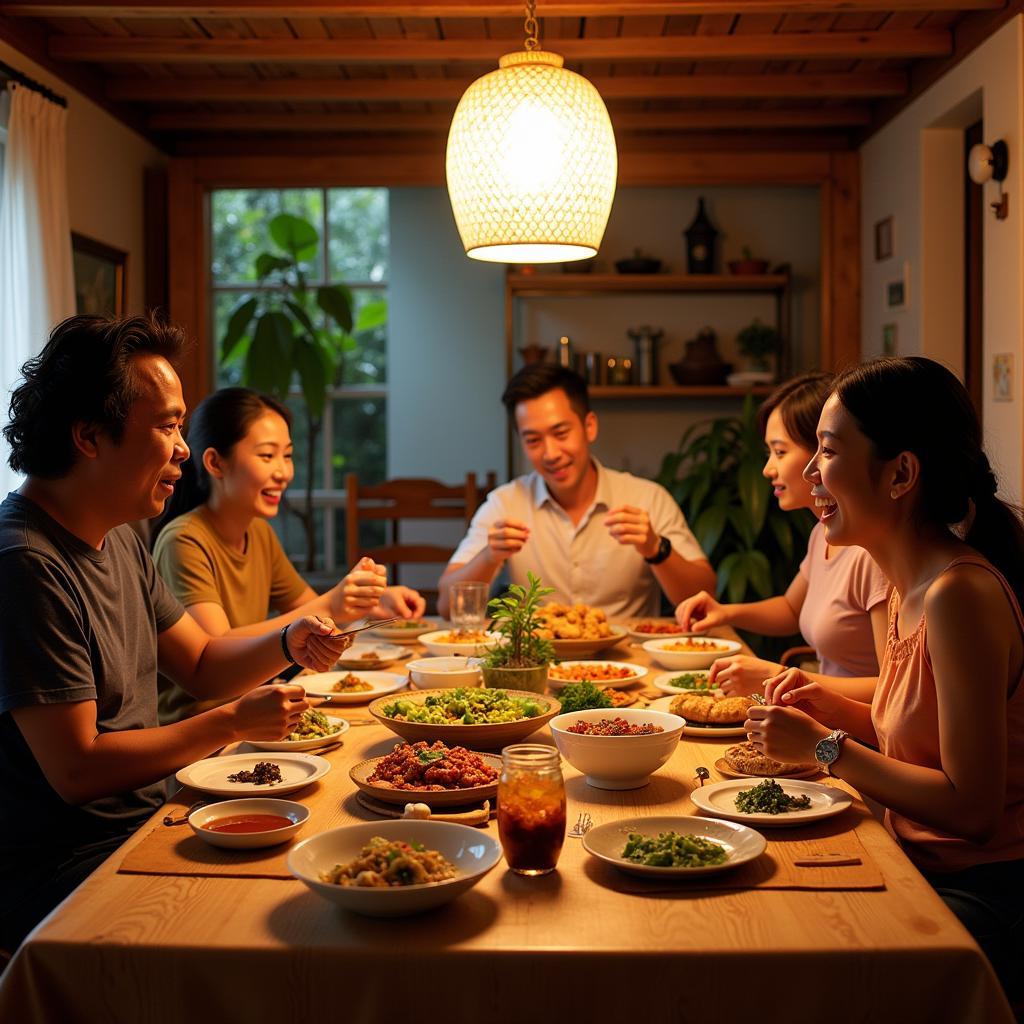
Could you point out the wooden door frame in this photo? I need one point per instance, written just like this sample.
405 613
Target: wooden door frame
836 173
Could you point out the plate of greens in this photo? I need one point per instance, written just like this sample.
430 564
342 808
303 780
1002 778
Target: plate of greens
673 847
776 803
696 681
314 729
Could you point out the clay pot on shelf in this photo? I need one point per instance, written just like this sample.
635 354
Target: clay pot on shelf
638 263
701 363
533 354
748 267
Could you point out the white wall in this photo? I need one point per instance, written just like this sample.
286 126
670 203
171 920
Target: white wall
913 170
105 173
447 321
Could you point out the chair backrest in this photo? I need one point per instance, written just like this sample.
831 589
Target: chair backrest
402 499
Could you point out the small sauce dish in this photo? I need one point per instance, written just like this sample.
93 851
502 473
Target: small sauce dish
248 824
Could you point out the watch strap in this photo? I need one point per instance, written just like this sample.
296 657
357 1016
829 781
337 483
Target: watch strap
664 550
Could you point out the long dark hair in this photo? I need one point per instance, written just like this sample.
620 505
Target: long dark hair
799 401
220 421
917 405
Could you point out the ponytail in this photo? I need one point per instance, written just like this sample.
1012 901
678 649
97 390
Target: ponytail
996 530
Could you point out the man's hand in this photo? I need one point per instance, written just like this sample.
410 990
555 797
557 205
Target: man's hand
359 591
631 525
401 601
269 712
308 642
507 537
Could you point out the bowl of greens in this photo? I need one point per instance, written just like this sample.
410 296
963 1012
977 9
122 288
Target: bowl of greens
477 718
674 847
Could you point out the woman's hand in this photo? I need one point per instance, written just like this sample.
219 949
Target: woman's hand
360 591
269 712
401 601
308 642
740 674
701 613
784 734
793 689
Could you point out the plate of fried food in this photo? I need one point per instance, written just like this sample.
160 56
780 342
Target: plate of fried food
371 656
707 714
763 802
578 630
351 687
608 674
314 729
431 773
744 760
656 629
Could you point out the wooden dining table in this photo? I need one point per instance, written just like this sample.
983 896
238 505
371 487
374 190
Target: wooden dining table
583 944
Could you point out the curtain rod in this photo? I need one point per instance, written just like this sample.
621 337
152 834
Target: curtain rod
12 74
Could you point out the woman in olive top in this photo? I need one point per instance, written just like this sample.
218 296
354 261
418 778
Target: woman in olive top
217 551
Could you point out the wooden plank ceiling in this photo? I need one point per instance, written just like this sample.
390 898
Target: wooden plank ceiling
238 75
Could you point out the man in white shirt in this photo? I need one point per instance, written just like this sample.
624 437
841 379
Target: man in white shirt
596 535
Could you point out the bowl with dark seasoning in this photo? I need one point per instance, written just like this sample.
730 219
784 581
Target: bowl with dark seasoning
254 774
618 748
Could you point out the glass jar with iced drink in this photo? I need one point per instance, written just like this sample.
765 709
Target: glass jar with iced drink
531 808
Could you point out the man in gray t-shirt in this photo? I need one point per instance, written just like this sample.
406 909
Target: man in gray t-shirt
95 426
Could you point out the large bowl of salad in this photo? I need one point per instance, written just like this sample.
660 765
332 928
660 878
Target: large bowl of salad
470 717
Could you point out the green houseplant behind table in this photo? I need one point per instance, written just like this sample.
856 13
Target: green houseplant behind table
521 662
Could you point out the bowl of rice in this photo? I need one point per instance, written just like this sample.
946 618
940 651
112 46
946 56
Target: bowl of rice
393 868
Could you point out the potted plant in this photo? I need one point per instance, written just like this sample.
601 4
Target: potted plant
288 328
521 661
715 475
747 264
759 342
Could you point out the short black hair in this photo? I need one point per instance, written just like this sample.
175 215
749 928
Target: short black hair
799 401
536 379
85 374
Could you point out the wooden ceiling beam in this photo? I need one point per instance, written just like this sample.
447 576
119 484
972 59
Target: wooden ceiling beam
898 43
324 90
683 120
470 8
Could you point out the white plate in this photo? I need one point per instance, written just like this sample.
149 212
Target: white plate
663 682
689 661
437 646
211 774
606 842
340 724
405 634
386 654
719 799
320 685
696 729
638 672
637 634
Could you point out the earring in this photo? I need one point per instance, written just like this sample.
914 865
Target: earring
892 494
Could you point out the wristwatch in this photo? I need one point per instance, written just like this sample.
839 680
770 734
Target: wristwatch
664 550
827 750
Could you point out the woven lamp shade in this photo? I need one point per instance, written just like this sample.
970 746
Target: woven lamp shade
531 163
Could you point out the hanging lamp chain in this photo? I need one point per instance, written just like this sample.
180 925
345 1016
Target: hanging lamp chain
532 29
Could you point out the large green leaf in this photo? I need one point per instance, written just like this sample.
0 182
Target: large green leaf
269 364
295 235
311 376
725 570
737 588
709 526
753 488
336 301
759 572
371 315
782 530
267 263
238 324
302 316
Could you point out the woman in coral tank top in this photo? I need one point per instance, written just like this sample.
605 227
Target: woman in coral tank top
901 472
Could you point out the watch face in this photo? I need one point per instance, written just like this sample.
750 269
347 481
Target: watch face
826 751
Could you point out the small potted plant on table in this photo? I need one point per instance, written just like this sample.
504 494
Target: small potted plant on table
521 661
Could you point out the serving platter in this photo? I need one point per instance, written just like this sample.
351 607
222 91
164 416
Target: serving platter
718 799
589 648
606 842
637 672
677 631
320 684
486 736
340 725
360 774
407 633
211 774
371 656
697 728
724 768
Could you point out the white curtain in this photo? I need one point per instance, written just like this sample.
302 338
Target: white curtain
37 287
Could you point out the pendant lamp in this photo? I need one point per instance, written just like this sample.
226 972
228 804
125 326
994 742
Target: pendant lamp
531 161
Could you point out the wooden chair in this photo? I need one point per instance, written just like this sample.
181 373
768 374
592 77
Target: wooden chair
795 657
403 499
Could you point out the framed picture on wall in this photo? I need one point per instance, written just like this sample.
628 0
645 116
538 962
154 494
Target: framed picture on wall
889 339
883 239
897 292
100 277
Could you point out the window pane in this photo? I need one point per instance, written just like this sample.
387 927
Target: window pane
359 439
239 226
300 438
358 229
367 362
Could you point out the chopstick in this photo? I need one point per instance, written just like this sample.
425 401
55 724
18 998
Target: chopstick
293 670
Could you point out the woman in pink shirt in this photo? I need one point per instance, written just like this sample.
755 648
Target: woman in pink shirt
837 600
900 470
